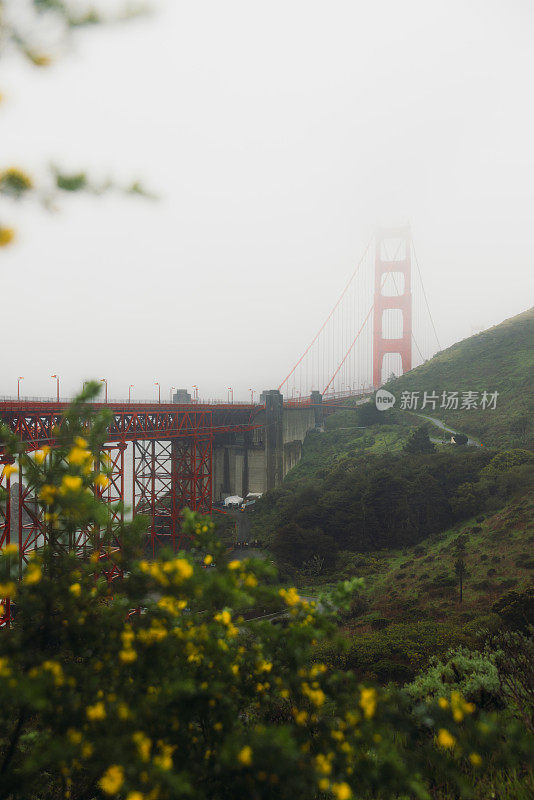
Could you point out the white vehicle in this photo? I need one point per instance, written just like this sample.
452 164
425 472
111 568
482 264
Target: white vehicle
234 501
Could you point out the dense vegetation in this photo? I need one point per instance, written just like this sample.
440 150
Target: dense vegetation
366 502
155 686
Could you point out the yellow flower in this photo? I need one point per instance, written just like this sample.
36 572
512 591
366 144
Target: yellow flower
80 442
317 696
324 784
8 589
102 480
10 550
71 483
7 235
234 564
182 568
223 617
40 455
96 712
207 560
112 779
445 739
291 596
245 756
443 703
74 736
135 796
323 764
123 711
47 493
475 759
127 656
341 791
164 761
368 702
15 179
78 456
9 469
251 581
33 574
143 744
75 589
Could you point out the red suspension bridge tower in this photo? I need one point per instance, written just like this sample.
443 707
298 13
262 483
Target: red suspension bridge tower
388 266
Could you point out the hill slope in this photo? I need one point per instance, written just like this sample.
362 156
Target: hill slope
500 359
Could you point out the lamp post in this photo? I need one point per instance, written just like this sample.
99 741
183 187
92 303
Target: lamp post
130 387
251 396
105 381
195 393
19 379
57 385
156 383
172 387
230 392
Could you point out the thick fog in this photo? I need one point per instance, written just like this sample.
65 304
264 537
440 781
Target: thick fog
277 136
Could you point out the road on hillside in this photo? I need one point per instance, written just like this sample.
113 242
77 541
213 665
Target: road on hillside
440 424
242 520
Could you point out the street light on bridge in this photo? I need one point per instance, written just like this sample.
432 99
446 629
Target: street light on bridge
195 393
230 392
19 379
105 381
172 387
130 387
156 383
251 396
57 385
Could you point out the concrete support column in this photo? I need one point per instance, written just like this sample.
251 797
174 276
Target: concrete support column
274 439
316 399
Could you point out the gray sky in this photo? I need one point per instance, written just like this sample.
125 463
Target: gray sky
277 134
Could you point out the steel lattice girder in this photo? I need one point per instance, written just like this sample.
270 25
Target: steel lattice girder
34 423
153 489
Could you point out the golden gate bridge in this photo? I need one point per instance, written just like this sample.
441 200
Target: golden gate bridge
380 326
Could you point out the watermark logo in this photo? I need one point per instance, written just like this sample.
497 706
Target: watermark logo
431 401
384 400
450 401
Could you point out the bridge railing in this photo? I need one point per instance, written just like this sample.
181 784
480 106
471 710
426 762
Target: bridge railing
132 402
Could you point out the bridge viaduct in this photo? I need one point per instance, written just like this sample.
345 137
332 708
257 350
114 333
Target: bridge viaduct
183 454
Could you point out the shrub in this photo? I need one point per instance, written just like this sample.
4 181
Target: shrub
472 674
516 609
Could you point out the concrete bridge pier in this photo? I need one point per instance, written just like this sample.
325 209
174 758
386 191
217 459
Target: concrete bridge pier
274 438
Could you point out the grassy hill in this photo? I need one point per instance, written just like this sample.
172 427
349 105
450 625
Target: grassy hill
419 582
499 359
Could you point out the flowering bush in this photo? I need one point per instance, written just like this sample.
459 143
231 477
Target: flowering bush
154 686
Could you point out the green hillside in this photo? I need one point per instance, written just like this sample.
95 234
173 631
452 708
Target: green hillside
499 359
419 582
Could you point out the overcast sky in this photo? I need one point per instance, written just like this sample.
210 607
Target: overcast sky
277 135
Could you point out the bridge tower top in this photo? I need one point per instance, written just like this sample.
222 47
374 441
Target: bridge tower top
392 258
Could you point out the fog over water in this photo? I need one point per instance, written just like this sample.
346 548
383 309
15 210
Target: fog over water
277 135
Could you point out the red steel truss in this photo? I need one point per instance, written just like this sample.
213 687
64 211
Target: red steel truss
172 469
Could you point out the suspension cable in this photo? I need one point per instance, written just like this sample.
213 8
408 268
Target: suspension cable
424 294
329 316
